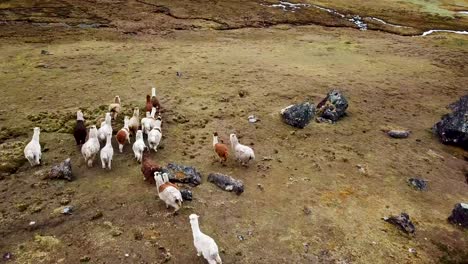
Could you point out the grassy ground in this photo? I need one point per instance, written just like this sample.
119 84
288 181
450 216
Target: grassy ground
391 81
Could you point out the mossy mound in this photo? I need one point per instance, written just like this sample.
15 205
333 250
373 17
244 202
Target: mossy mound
11 156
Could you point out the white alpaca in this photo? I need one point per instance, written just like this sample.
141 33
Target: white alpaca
167 191
155 135
91 147
139 146
115 107
106 128
123 134
107 152
149 122
134 121
243 153
32 151
204 244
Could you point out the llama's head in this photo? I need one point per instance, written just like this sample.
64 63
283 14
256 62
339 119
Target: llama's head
148 114
233 139
148 98
79 115
117 99
158 178
108 118
139 134
136 112
193 218
93 131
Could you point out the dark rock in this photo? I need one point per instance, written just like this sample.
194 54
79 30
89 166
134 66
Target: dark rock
183 174
62 171
7 256
459 215
226 183
85 259
186 194
298 115
453 128
418 184
332 107
398 133
402 221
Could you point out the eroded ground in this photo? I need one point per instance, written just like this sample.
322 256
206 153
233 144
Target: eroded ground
315 205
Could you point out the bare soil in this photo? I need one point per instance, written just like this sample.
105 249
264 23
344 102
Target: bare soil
306 198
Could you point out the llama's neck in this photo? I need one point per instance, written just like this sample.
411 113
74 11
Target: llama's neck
36 136
153 92
136 114
195 228
108 120
215 140
153 112
108 141
126 121
234 142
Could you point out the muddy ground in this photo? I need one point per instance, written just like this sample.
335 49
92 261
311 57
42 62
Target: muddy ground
306 200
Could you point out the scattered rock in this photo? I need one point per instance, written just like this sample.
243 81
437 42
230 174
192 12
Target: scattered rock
7 256
398 133
37 209
307 210
186 194
226 183
22 207
182 173
97 215
453 128
332 107
45 52
241 237
252 119
65 201
42 65
260 187
402 221
298 115
67 210
242 93
85 259
459 215
418 184
137 235
62 171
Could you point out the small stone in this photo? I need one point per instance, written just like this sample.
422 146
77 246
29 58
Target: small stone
97 215
41 65
307 210
67 210
137 235
85 259
398 133
240 237
65 201
22 207
36 209
242 93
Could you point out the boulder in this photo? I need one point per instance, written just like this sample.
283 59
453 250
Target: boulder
332 107
182 174
186 194
459 215
453 128
402 221
298 115
62 171
418 184
226 183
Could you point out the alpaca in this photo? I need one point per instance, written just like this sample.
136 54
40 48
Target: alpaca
155 135
91 147
106 128
204 244
148 123
243 153
154 100
80 130
115 107
107 152
134 123
139 146
167 191
220 148
32 151
123 134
